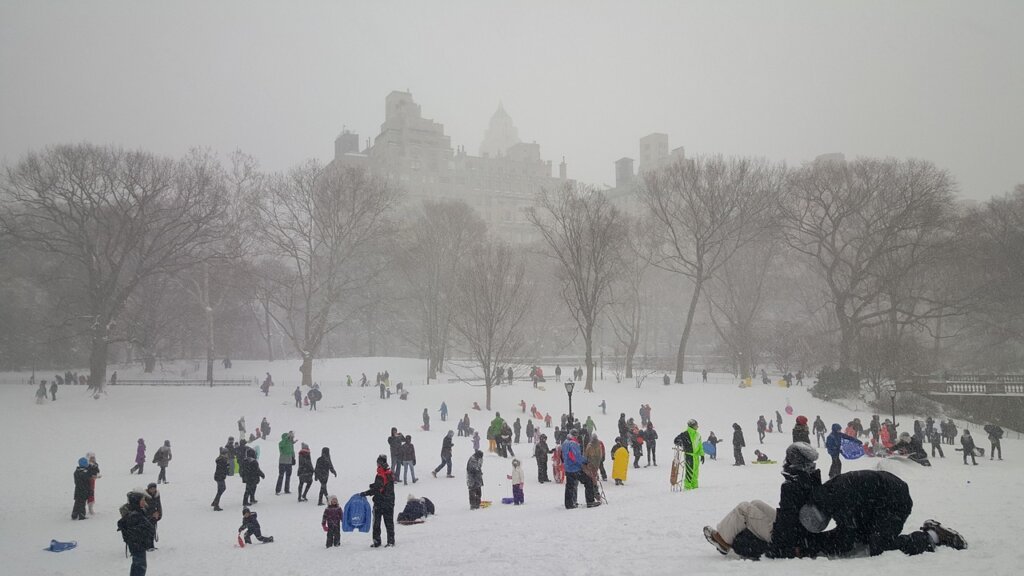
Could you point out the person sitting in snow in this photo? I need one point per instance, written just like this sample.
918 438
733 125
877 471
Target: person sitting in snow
251 527
761 456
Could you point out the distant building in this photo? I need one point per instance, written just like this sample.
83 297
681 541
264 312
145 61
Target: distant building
654 154
415 153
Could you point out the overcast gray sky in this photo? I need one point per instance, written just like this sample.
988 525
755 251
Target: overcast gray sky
787 80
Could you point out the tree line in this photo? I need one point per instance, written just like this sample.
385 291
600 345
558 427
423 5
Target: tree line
870 265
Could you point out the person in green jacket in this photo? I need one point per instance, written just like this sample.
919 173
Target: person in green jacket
693 450
589 425
286 448
494 430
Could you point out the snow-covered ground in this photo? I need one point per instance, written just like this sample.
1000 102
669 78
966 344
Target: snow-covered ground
646 529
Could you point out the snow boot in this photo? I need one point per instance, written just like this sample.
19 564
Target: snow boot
946 537
715 539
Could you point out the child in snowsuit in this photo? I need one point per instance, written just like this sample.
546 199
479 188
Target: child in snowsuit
331 522
517 482
251 527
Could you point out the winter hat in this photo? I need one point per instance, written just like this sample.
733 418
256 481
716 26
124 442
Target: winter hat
83 462
801 456
411 497
141 441
802 420
836 427
382 460
332 499
905 436
305 446
151 485
167 443
478 454
574 433
515 463
691 423
813 519
245 511
223 450
735 426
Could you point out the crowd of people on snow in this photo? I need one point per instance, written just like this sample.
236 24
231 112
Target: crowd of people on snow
577 455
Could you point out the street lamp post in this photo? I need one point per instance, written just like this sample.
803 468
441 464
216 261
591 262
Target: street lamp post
569 385
892 397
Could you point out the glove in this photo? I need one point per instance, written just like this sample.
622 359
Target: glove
325 526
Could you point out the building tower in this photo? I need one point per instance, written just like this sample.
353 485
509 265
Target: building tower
500 135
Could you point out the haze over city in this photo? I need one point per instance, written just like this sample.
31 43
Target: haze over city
939 81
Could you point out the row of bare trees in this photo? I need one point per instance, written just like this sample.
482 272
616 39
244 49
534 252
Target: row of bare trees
859 263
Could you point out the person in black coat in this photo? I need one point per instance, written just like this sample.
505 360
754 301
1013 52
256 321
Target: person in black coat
323 467
251 475
231 447
306 471
869 508
83 487
383 492
540 453
446 455
395 441
137 531
738 444
251 527
220 472
802 480
651 439
967 441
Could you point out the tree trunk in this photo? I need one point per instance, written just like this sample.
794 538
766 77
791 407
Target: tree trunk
209 326
681 355
270 342
630 352
148 362
488 382
307 370
98 356
588 341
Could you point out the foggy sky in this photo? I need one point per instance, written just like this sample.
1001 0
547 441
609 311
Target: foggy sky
942 81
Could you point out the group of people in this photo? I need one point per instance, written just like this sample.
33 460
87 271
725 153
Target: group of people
869 509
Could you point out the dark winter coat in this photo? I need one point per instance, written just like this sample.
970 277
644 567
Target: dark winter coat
801 433
737 438
220 470
540 451
383 489
332 516
415 509
789 538
395 443
651 437
137 530
407 453
305 471
250 470
446 447
162 457
324 466
474 472
855 500
250 524
154 507
967 441
835 440
83 482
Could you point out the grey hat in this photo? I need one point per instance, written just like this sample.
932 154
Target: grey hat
801 456
813 519
692 423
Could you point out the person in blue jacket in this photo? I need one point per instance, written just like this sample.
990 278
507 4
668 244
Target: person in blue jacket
833 444
573 460
357 514
444 411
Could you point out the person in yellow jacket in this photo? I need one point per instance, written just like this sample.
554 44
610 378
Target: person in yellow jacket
693 450
620 462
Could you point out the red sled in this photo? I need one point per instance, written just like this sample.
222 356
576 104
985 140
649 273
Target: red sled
241 543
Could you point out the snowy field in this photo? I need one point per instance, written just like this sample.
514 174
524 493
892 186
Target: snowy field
646 529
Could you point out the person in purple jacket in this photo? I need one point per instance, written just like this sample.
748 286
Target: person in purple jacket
331 522
140 457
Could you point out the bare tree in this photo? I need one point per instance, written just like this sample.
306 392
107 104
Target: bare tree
438 239
328 225
705 210
631 293
492 299
859 225
585 234
118 217
736 298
